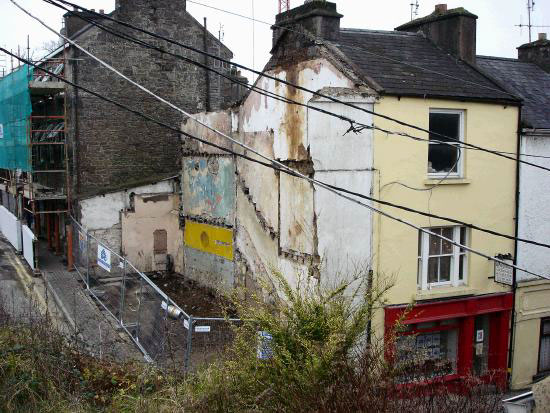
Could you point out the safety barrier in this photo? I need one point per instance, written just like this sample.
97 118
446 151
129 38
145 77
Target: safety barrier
164 333
11 228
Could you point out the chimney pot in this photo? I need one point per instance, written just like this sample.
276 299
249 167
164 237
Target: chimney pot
102 11
441 8
542 36
93 10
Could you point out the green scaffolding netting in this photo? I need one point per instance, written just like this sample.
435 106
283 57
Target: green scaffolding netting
15 110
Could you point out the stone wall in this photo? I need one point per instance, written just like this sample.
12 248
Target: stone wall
111 148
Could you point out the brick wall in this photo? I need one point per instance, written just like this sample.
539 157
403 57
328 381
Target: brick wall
112 148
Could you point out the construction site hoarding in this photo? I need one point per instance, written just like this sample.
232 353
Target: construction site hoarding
15 110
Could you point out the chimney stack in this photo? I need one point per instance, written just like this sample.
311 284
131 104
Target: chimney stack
73 23
318 17
454 30
537 52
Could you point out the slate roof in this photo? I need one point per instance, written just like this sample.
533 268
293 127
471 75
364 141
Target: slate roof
526 80
389 58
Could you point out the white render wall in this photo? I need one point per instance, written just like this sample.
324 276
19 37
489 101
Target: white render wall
101 215
534 207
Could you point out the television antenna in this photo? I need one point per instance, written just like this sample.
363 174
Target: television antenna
530 8
414 9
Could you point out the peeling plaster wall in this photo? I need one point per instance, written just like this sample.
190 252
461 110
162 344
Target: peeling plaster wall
152 213
208 196
309 224
281 222
100 215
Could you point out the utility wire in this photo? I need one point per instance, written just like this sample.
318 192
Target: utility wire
354 125
275 165
360 48
402 123
279 165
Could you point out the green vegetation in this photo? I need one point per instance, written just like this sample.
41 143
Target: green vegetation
320 362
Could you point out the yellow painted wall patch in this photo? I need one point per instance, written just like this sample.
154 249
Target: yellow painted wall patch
209 238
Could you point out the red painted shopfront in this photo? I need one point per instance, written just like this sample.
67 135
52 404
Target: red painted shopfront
471 333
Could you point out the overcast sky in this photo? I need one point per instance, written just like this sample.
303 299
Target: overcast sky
496 31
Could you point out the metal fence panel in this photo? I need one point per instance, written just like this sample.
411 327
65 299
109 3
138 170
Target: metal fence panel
164 333
105 275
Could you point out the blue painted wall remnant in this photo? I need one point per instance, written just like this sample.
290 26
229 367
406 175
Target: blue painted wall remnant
208 187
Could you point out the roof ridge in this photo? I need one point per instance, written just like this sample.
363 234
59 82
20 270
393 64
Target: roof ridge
395 32
508 59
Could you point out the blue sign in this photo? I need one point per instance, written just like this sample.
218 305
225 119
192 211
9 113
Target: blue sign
104 257
265 352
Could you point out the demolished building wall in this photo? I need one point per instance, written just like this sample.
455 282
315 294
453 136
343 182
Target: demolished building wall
277 216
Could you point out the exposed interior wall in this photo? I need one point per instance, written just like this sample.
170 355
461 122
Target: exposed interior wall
101 215
154 219
208 195
283 223
532 300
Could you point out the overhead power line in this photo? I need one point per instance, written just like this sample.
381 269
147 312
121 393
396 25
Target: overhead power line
280 165
355 126
360 48
260 154
281 168
445 139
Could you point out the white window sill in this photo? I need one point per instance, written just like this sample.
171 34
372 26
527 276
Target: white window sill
443 292
447 181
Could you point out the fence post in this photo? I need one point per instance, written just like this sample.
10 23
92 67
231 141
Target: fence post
189 345
138 327
87 261
122 292
70 245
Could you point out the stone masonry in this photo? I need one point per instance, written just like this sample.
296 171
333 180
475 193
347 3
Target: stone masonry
112 149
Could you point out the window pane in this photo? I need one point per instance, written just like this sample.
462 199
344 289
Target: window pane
420 234
463 235
441 157
461 267
428 354
435 242
544 354
446 124
432 270
546 327
445 269
447 247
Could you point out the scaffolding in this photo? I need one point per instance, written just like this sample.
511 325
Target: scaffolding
47 193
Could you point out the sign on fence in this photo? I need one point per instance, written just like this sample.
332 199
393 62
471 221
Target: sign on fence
103 257
265 352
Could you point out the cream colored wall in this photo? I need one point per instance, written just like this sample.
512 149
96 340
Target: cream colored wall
532 300
152 212
485 197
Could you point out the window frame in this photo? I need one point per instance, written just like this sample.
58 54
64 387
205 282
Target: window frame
541 336
424 255
461 127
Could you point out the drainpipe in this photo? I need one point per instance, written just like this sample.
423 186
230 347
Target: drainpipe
516 229
207 74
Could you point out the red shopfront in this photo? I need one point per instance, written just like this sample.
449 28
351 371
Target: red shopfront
472 333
